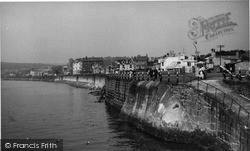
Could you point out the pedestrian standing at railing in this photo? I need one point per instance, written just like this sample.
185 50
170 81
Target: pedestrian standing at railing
155 74
160 76
134 74
148 74
151 74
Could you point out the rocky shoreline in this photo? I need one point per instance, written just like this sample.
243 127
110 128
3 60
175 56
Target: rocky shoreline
94 90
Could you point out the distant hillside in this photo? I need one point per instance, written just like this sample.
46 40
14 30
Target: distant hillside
7 66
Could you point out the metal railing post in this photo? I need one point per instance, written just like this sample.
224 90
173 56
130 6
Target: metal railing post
247 131
224 99
215 93
239 113
184 78
198 84
168 77
177 78
216 117
125 87
231 104
247 119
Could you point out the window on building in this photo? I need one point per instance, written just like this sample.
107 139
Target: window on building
189 64
130 65
162 64
123 66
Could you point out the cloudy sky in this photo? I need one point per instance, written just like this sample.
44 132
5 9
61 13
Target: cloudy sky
49 32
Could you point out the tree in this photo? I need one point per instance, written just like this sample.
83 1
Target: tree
58 70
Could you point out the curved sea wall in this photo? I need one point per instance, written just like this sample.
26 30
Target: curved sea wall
177 113
91 80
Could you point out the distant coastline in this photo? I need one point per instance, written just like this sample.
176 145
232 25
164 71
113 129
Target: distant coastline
28 79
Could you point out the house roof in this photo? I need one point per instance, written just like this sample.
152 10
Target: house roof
226 57
231 57
141 58
178 66
122 59
172 65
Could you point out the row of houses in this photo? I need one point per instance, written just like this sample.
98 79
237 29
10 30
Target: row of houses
171 62
138 63
233 62
85 65
41 72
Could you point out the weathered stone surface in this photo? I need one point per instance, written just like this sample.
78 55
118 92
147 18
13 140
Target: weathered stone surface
177 113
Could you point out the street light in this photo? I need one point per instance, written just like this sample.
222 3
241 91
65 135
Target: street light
196 53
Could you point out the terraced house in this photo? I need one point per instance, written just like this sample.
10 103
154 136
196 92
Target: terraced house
85 65
125 65
140 63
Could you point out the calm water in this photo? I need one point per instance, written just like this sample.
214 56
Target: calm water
49 110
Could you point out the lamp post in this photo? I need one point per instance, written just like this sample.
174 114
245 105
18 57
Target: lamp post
196 53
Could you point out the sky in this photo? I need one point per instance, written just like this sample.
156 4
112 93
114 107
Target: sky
53 32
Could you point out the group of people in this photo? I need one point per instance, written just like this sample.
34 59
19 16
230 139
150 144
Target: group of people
154 74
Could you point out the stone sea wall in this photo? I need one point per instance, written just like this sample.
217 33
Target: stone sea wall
177 113
84 81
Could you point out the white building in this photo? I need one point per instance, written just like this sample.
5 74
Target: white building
188 63
125 65
36 73
77 67
177 63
